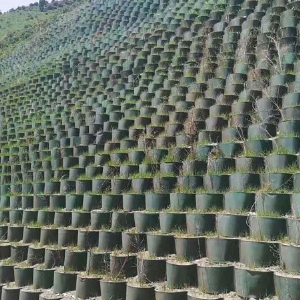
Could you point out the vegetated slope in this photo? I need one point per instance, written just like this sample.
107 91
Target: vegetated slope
158 139
18 26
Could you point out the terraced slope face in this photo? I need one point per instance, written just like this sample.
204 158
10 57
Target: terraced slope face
149 150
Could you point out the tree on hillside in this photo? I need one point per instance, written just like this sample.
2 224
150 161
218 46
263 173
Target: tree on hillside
42 5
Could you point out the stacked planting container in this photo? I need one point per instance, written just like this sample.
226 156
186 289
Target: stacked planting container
152 152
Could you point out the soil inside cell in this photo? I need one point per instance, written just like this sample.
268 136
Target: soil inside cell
205 262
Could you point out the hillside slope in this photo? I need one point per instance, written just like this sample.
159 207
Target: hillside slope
19 25
150 149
